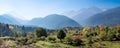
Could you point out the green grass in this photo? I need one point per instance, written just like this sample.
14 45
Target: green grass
109 44
44 44
5 37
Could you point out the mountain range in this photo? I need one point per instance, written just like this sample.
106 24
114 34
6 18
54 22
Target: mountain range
83 14
86 13
86 17
54 21
8 19
110 17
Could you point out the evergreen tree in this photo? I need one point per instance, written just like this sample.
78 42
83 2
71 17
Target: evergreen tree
61 35
40 32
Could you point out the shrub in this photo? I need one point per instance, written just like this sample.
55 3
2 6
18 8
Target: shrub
43 38
68 40
110 36
30 41
76 41
61 35
1 41
40 32
51 38
22 40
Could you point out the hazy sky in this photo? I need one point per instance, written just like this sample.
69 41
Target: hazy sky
28 9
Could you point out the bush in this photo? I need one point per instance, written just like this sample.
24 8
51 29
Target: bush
109 37
30 41
51 38
102 35
61 35
68 40
76 41
40 32
22 40
43 38
1 41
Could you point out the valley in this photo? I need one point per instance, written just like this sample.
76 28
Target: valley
59 23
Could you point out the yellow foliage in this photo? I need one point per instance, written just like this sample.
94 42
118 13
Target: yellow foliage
11 27
118 27
102 34
86 29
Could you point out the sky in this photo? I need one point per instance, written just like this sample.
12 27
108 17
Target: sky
28 9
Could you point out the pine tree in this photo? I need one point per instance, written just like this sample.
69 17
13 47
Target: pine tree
61 35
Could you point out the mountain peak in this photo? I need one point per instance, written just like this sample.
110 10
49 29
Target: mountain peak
54 15
55 21
110 17
8 19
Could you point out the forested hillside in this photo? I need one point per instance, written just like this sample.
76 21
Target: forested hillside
12 30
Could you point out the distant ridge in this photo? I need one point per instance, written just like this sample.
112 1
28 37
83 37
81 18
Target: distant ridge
8 19
54 21
110 17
